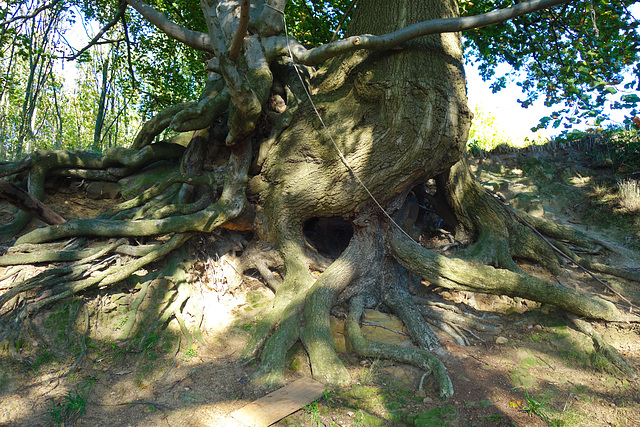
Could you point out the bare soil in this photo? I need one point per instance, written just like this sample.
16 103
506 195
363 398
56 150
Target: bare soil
538 370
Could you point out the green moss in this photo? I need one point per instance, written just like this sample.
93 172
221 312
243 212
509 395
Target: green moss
253 297
436 417
600 363
364 418
521 377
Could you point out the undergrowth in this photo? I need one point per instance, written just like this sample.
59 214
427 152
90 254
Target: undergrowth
70 407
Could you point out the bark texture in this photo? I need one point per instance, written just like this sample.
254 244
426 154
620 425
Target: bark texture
268 160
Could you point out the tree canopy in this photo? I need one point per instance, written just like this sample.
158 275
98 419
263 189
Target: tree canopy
579 58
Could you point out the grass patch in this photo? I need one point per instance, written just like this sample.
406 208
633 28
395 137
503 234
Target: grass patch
629 195
436 417
369 375
70 407
538 406
189 354
42 359
4 380
313 414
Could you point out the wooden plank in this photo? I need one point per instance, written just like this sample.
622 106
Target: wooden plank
280 403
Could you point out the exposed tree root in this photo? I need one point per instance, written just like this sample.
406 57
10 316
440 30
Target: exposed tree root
285 314
404 305
83 341
602 346
60 283
421 358
133 312
453 273
297 176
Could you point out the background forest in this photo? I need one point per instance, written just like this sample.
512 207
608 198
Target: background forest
55 93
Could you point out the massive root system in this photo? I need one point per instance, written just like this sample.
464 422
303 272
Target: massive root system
266 161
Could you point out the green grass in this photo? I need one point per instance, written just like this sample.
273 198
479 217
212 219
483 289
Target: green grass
368 375
313 414
42 358
4 380
70 407
537 406
189 354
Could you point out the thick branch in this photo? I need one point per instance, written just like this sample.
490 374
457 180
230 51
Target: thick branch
26 202
194 39
245 107
396 38
270 22
242 30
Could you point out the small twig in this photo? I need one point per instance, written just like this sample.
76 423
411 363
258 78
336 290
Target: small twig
344 18
134 402
129 61
566 402
32 15
470 332
545 362
119 14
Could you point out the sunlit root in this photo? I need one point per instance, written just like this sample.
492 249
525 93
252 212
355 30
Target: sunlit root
603 347
457 274
316 335
284 313
59 283
420 358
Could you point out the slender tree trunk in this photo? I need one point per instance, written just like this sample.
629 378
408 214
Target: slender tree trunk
100 117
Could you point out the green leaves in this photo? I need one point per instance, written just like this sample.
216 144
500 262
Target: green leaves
633 98
579 56
314 23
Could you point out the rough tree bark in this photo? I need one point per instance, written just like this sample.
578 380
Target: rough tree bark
381 125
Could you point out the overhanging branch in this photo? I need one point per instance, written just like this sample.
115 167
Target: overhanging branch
194 39
31 15
96 40
435 26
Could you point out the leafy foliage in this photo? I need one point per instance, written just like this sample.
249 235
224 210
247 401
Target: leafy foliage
314 23
486 134
575 56
149 53
580 57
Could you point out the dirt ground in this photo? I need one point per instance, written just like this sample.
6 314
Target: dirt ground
537 370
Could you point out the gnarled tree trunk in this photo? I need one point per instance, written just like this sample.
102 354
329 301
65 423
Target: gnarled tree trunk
381 124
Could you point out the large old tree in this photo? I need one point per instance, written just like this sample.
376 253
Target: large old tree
342 136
